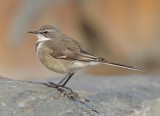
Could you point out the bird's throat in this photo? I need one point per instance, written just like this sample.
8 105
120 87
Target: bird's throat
42 38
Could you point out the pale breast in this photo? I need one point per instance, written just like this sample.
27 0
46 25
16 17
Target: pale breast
56 65
59 65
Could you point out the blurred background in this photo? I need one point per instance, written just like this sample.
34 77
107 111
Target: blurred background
121 30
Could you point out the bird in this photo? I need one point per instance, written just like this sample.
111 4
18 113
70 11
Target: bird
63 54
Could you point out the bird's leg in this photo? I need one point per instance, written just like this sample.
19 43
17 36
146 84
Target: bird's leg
62 83
68 77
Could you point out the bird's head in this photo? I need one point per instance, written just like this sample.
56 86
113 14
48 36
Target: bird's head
45 32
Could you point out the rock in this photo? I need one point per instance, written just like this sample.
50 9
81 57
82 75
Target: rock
111 96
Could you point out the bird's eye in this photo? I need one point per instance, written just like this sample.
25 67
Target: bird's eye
45 32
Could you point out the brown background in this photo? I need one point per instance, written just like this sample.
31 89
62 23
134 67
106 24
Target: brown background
121 30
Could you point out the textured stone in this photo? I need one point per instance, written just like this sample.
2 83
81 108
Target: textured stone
112 96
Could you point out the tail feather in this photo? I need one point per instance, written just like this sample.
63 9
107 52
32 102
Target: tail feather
121 65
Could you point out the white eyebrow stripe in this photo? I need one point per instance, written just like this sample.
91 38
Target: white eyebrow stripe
48 30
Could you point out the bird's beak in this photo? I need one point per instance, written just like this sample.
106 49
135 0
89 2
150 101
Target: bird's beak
33 32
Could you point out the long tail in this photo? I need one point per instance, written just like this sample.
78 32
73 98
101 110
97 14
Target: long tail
121 65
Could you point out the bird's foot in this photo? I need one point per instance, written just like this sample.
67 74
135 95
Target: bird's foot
58 86
64 91
51 84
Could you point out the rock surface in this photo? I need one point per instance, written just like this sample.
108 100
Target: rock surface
111 96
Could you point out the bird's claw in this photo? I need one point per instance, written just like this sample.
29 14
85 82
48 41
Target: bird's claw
59 87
